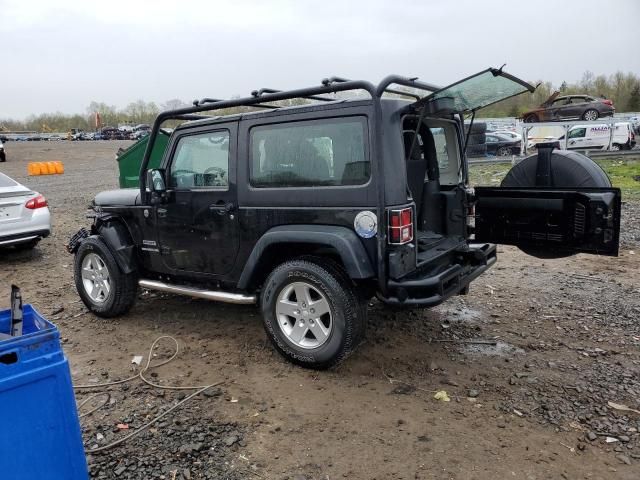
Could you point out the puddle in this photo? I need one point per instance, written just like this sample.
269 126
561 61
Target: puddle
455 315
500 349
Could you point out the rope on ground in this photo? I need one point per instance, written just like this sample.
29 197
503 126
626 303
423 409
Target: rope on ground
140 375
88 399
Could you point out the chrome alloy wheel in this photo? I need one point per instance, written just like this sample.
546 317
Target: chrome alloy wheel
95 278
304 315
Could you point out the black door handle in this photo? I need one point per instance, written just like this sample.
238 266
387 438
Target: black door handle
222 208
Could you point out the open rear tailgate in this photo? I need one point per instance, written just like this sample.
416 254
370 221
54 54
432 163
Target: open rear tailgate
557 220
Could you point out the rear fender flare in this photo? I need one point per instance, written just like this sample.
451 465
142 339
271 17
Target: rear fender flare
348 245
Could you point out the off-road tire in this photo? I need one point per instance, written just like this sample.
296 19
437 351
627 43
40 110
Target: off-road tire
477 139
124 287
476 127
348 311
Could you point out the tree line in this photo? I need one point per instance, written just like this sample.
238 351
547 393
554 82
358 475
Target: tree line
622 88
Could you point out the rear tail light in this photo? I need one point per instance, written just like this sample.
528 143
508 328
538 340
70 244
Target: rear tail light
401 226
471 215
36 202
608 102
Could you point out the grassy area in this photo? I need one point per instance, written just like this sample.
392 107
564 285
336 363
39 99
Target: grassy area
624 173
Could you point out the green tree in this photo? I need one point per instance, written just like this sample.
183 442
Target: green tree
634 98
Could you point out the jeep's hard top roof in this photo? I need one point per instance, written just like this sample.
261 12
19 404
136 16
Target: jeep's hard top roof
292 109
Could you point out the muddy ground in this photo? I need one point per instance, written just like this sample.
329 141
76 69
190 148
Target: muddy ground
532 406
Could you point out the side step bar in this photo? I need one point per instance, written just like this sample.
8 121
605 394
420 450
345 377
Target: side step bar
217 296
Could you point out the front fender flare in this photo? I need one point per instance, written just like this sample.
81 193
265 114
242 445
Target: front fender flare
348 245
116 235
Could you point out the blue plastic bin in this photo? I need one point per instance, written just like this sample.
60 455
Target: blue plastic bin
39 427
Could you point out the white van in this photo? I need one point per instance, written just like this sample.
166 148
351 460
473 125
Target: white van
596 137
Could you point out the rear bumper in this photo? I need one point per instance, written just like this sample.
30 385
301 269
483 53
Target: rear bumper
16 238
36 225
427 289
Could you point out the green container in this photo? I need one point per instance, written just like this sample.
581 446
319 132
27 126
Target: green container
129 160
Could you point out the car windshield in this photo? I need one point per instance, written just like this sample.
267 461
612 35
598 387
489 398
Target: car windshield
481 90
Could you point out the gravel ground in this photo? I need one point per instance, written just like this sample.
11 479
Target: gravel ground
533 403
630 224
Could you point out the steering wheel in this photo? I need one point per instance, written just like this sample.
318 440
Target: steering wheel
220 171
183 172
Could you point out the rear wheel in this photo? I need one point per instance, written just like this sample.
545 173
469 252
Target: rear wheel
590 115
615 147
531 118
504 152
103 288
312 314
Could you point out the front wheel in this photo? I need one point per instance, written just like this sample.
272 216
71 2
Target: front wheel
102 286
531 118
312 314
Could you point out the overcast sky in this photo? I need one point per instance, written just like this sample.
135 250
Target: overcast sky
58 55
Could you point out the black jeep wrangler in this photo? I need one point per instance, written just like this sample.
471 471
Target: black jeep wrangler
311 210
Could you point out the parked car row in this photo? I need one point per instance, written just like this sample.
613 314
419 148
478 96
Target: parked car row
76 134
112 133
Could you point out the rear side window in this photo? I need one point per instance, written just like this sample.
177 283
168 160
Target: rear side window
440 141
327 152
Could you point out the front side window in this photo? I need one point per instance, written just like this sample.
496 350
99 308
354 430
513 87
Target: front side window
328 152
577 133
201 161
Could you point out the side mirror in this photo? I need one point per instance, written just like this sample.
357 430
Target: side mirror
156 185
155 181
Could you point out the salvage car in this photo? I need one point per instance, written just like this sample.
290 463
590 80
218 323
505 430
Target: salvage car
24 215
570 107
311 210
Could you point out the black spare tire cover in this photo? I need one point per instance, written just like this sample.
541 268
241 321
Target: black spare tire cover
568 170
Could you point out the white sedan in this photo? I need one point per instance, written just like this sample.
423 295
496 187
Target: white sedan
24 215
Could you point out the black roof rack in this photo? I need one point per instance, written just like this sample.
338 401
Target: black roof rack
261 98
